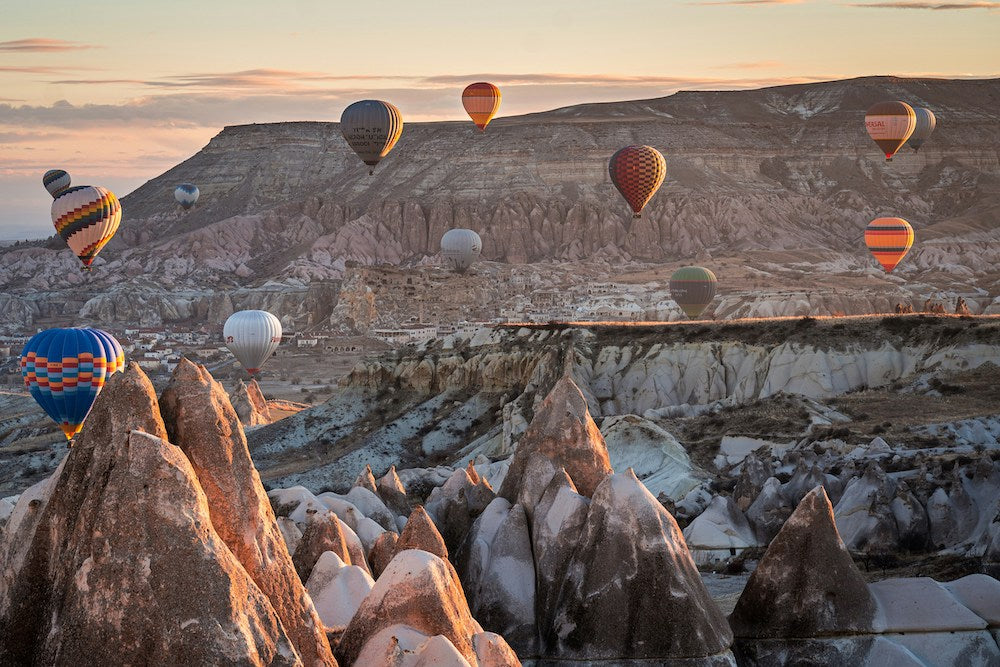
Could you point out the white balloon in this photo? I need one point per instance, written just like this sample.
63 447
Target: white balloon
186 195
460 248
252 336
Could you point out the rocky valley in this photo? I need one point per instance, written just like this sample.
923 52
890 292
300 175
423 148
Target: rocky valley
540 461
772 188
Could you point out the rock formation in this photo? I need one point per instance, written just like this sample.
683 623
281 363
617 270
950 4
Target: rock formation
806 585
719 533
769 511
454 505
390 488
337 590
323 533
418 590
201 421
631 565
564 432
250 405
85 582
382 552
421 533
366 480
500 575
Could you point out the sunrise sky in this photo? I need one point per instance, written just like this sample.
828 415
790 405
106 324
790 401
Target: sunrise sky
118 91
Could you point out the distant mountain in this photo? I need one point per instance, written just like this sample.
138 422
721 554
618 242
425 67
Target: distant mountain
283 206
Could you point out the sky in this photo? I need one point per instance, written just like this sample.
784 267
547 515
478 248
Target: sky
118 91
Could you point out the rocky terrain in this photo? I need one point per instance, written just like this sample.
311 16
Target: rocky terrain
523 563
771 187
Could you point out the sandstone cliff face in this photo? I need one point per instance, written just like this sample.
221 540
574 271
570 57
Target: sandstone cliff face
769 170
203 423
464 397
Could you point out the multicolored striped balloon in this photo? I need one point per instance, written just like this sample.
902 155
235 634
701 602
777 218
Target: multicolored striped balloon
693 288
65 369
86 217
55 181
637 172
371 128
481 101
890 124
889 239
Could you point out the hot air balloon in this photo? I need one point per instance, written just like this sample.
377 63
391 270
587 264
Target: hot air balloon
252 336
481 101
926 123
86 217
637 172
692 288
889 239
186 195
55 181
371 128
890 124
65 369
461 247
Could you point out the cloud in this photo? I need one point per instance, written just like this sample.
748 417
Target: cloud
937 6
41 69
42 45
738 3
760 64
674 82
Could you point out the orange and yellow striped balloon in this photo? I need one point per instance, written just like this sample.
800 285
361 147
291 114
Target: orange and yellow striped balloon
481 101
889 239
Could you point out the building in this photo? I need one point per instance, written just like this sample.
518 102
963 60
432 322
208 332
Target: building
416 333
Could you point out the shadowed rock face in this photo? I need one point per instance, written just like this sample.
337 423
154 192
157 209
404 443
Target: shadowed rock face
202 422
500 579
632 570
323 533
559 520
125 563
393 493
250 405
806 584
382 552
563 431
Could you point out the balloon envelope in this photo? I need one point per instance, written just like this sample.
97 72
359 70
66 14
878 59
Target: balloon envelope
693 288
637 172
55 181
86 217
889 239
460 248
371 128
890 124
65 369
481 101
926 122
186 195
252 336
